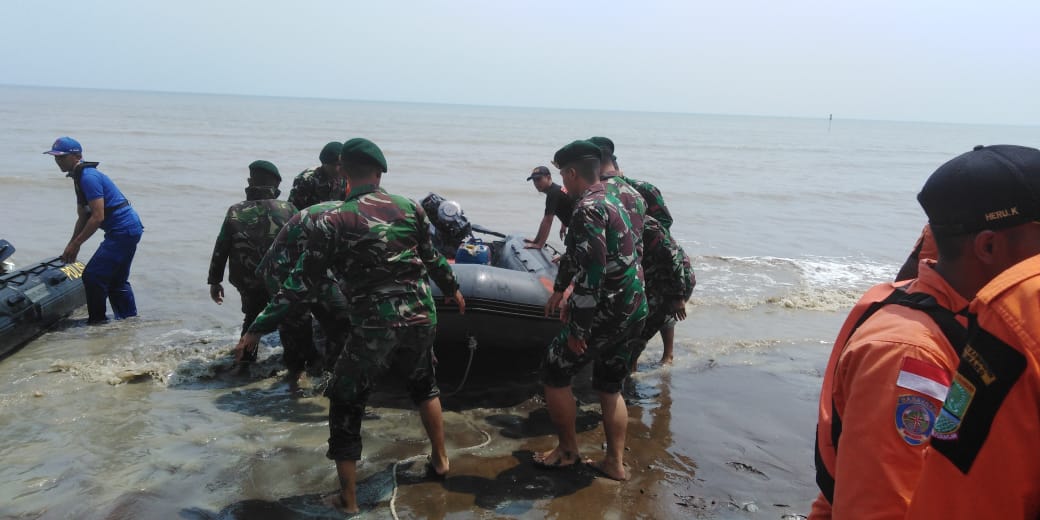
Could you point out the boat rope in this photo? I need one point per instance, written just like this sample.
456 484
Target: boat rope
472 345
393 495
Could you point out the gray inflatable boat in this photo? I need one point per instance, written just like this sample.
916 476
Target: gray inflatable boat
34 297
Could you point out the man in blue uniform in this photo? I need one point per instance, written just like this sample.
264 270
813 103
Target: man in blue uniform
100 204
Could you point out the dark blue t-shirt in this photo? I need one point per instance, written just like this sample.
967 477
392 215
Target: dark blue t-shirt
97 185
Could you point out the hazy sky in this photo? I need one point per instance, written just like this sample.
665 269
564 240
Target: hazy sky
924 60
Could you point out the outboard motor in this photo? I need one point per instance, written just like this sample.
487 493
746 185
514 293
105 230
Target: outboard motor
449 224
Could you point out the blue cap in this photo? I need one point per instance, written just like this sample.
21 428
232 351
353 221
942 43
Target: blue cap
64 146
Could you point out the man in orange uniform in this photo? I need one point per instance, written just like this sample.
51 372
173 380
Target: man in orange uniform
983 460
888 374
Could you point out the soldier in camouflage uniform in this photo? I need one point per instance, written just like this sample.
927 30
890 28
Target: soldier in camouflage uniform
299 345
669 281
605 309
247 232
320 184
656 208
377 246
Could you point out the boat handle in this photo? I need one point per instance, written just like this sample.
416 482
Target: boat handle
15 300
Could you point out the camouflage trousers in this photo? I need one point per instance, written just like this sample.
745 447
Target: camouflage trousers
368 353
608 348
294 331
659 318
303 349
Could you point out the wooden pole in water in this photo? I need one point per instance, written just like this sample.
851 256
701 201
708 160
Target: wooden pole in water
829 119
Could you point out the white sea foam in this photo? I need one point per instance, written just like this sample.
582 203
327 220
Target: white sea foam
817 283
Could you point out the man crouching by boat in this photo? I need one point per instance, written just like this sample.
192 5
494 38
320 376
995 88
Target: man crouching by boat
378 247
606 308
100 204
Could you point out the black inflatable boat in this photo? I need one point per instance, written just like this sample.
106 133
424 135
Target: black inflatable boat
34 297
505 289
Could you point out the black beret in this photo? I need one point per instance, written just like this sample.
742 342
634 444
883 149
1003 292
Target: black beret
363 150
265 167
576 151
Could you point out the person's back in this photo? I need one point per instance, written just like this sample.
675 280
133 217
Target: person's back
983 460
382 255
881 390
654 200
322 183
252 226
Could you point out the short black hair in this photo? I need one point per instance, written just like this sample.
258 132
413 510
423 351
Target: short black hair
588 169
358 167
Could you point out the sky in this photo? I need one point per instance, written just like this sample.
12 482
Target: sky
907 60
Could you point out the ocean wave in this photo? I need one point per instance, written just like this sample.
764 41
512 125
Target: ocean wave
813 283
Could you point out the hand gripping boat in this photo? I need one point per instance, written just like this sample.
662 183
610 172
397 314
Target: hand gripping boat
506 286
35 297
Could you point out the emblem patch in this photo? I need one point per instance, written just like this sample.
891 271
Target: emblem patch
915 417
957 402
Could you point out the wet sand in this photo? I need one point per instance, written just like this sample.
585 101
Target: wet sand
707 438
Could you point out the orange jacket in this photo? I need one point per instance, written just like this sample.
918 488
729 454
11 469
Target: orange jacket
881 392
985 456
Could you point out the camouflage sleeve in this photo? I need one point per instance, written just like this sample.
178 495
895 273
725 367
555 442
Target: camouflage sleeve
221 252
305 280
689 277
438 266
298 193
589 252
655 206
679 286
567 267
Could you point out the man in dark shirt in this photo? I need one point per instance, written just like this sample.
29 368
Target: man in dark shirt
557 203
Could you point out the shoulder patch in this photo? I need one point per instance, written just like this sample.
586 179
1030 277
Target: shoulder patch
924 377
915 418
989 369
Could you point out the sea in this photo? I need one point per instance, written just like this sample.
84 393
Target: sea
787 221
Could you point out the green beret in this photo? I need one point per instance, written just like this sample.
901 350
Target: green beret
605 144
363 150
576 151
330 154
266 167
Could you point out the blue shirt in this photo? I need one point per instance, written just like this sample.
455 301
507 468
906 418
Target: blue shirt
121 221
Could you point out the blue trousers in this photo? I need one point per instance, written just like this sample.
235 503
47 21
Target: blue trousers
106 275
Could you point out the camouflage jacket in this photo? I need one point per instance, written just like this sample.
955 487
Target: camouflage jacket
635 209
285 251
666 268
655 206
247 232
377 246
607 285
316 185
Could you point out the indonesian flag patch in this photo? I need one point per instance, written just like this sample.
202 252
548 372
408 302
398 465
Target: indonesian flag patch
916 414
924 378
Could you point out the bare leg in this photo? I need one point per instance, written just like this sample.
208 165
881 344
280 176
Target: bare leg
615 424
668 339
346 499
433 421
563 412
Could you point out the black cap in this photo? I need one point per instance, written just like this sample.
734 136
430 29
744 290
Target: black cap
539 171
990 187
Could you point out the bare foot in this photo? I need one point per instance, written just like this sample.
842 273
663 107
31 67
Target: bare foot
556 458
613 471
335 501
666 360
438 469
